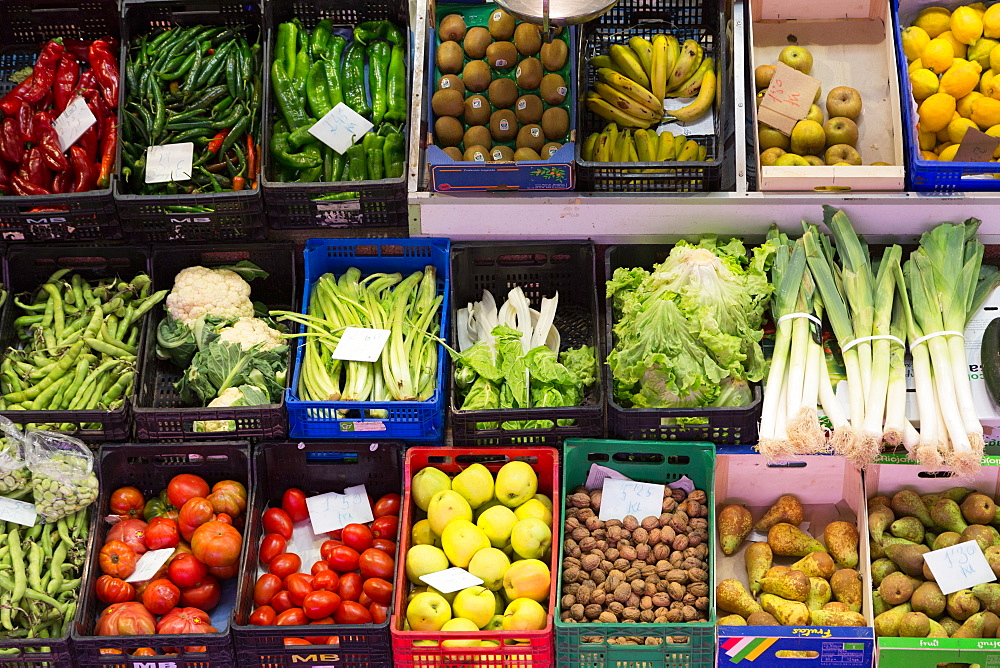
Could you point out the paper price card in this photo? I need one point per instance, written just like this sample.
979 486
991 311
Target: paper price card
359 344
620 498
787 99
341 128
148 565
332 511
451 579
75 119
977 147
18 512
170 162
960 566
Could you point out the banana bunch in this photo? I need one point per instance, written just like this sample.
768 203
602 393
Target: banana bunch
617 144
633 80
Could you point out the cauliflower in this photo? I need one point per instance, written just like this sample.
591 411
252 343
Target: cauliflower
248 332
245 395
200 291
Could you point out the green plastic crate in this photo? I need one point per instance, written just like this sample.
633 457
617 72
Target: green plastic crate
644 462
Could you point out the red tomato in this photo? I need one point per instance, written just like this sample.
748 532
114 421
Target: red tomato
281 602
185 570
265 589
324 620
277 520
291 617
379 612
125 619
352 612
297 641
224 572
263 616
328 580
358 537
350 587
271 546
293 502
227 501
376 564
342 559
117 560
324 549
285 564
320 566
236 488
298 586
114 590
127 503
224 518
319 604
216 544
386 527
144 651
185 620
378 590
387 505
195 512
387 546
162 532
161 596
204 595
130 532
364 599
335 534
185 486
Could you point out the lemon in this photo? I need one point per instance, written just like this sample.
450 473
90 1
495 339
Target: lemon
957 48
995 132
924 83
928 140
980 51
964 106
960 79
957 129
986 112
915 65
966 25
979 8
991 21
947 154
936 111
928 155
994 60
915 39
933 20
938 55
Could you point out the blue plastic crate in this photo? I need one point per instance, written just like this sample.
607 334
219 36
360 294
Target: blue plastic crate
931 175
407 420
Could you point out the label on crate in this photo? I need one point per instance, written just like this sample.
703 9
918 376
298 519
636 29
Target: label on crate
365 425
451 579
18 512
620 498
977 147
341 128
332 511
75 119
170 162
960 566
360 344
788 98
149 563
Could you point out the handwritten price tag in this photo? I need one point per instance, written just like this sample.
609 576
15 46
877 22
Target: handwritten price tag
620 498
149 563
960 566
788 98
18 512
75 119
170 162
451 579
976 147
359 344
332 511
341 128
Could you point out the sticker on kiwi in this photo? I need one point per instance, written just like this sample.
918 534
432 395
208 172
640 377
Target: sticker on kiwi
501 62
476 103
479 157
497 154
562 90
445 83
535 132
497 16
504 125
522 105
517 72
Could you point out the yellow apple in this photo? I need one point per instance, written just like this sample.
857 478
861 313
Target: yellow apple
461 540
428 612
531 538
422 534
424 559
497 523
534 508
475 604
529 578
475 484
490 564
447 506
516 482
426 483
524 614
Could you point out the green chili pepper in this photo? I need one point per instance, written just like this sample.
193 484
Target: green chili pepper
288 100
378 69
281 152
370 31
288 47
333 165
356 167
317 92
397 100
376 164
332 67
336 197
303 64
319 43
353 79
394 154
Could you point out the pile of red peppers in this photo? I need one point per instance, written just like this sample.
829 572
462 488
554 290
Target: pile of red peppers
31 162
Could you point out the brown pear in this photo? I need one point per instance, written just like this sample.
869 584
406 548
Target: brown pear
880 569
946 539
991 624
928 599
841 539
914 625
879 520
962 604
758 558
887 624
949 624
896 589
734 522
988 595
731 596
993 559
875 549
909 528
878 604
788 613
836 618
880 500
786 509
937 631
978 509
789 541
762 619
816 565
928 575
775 570
819 593
909 558
838 606
972 628
948 515
732 620
980 533
907 502
847 588
792 585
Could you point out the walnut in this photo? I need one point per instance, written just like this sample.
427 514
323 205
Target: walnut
690 562
579 500
650 588
592 611
678 494
698 495
584 513
701 551
638 586
633 601
646 602
689 599
608 617
676 605
570 561
612 554
583 595
693 508
689 613
587 544
642 551
598 576
676 591
606 565
647 570
640 536
701 604
595 499
680 542
698 523
614 533
579 534
660 600
621 563
571 512
616 607
622 592
660 552
654 537
571 588
594 522
571 523
567 601
566 617
679 522
571 574
649 523
615 578
631 614
667 535
676 559
675 617
627 552
677 575
602 545
576 611
626 535
646 616
699 589
698 575
598 596
599 534
630 522
632 574
668 506
590 562
694 539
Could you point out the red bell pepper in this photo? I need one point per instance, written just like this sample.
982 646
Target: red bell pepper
85 173
26 123
44 73
63 181
5 171
104 65
12 101
66 78
109 146
48 143
88 142
86 82
11 146
98 106
34 170
21 186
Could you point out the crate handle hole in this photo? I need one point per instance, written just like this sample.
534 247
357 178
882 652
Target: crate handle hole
936 474
787 465
792 39
597 457
640 457
221 257
438 459
482 459
796 654
522 260
41 211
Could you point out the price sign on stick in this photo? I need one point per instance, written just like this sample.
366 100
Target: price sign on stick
170 162
620 498
329 512
451 579
787 99
976 147
960 566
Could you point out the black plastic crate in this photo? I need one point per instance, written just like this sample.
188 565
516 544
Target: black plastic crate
381 203
702 20
724 425
541 270
24 26
26 269
150 467
315 468
225 216
158 410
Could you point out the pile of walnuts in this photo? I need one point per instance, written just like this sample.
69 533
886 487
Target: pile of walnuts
632 571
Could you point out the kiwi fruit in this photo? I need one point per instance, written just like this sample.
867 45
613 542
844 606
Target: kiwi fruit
449 58
503 93
476 41
527 39
555 123
501 55
554 55
528 109
553 89
476 76
448 131
503 125
523 154
452 28
478 135
454 153
531 136
477 112
502 154
476 154
501 24
447 102
452 81
549 150
528 73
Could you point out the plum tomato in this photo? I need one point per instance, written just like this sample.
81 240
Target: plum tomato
386 527
319 604
277 520
358 537
387 546
379 612
328 580
352 612
378 590
298 586
343 559
350 587
387 505
271 546
291 617
281 602
293 502
285 564
319 566
266 587
376 564
263 616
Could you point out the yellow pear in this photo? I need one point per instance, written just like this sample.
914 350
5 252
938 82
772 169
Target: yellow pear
426 483
424 559
475 604
529 578
428 612
422 534
531 538
475 484
516 482
490 564
497 523
534 508
445 507
524 614
461 540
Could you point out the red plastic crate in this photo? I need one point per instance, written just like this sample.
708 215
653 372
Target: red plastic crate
537 652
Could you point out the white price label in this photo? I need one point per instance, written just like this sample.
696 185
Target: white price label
332 511
451 579
341 128
170 162
75 119
960 566
359 344
18 512
620 498
149 563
